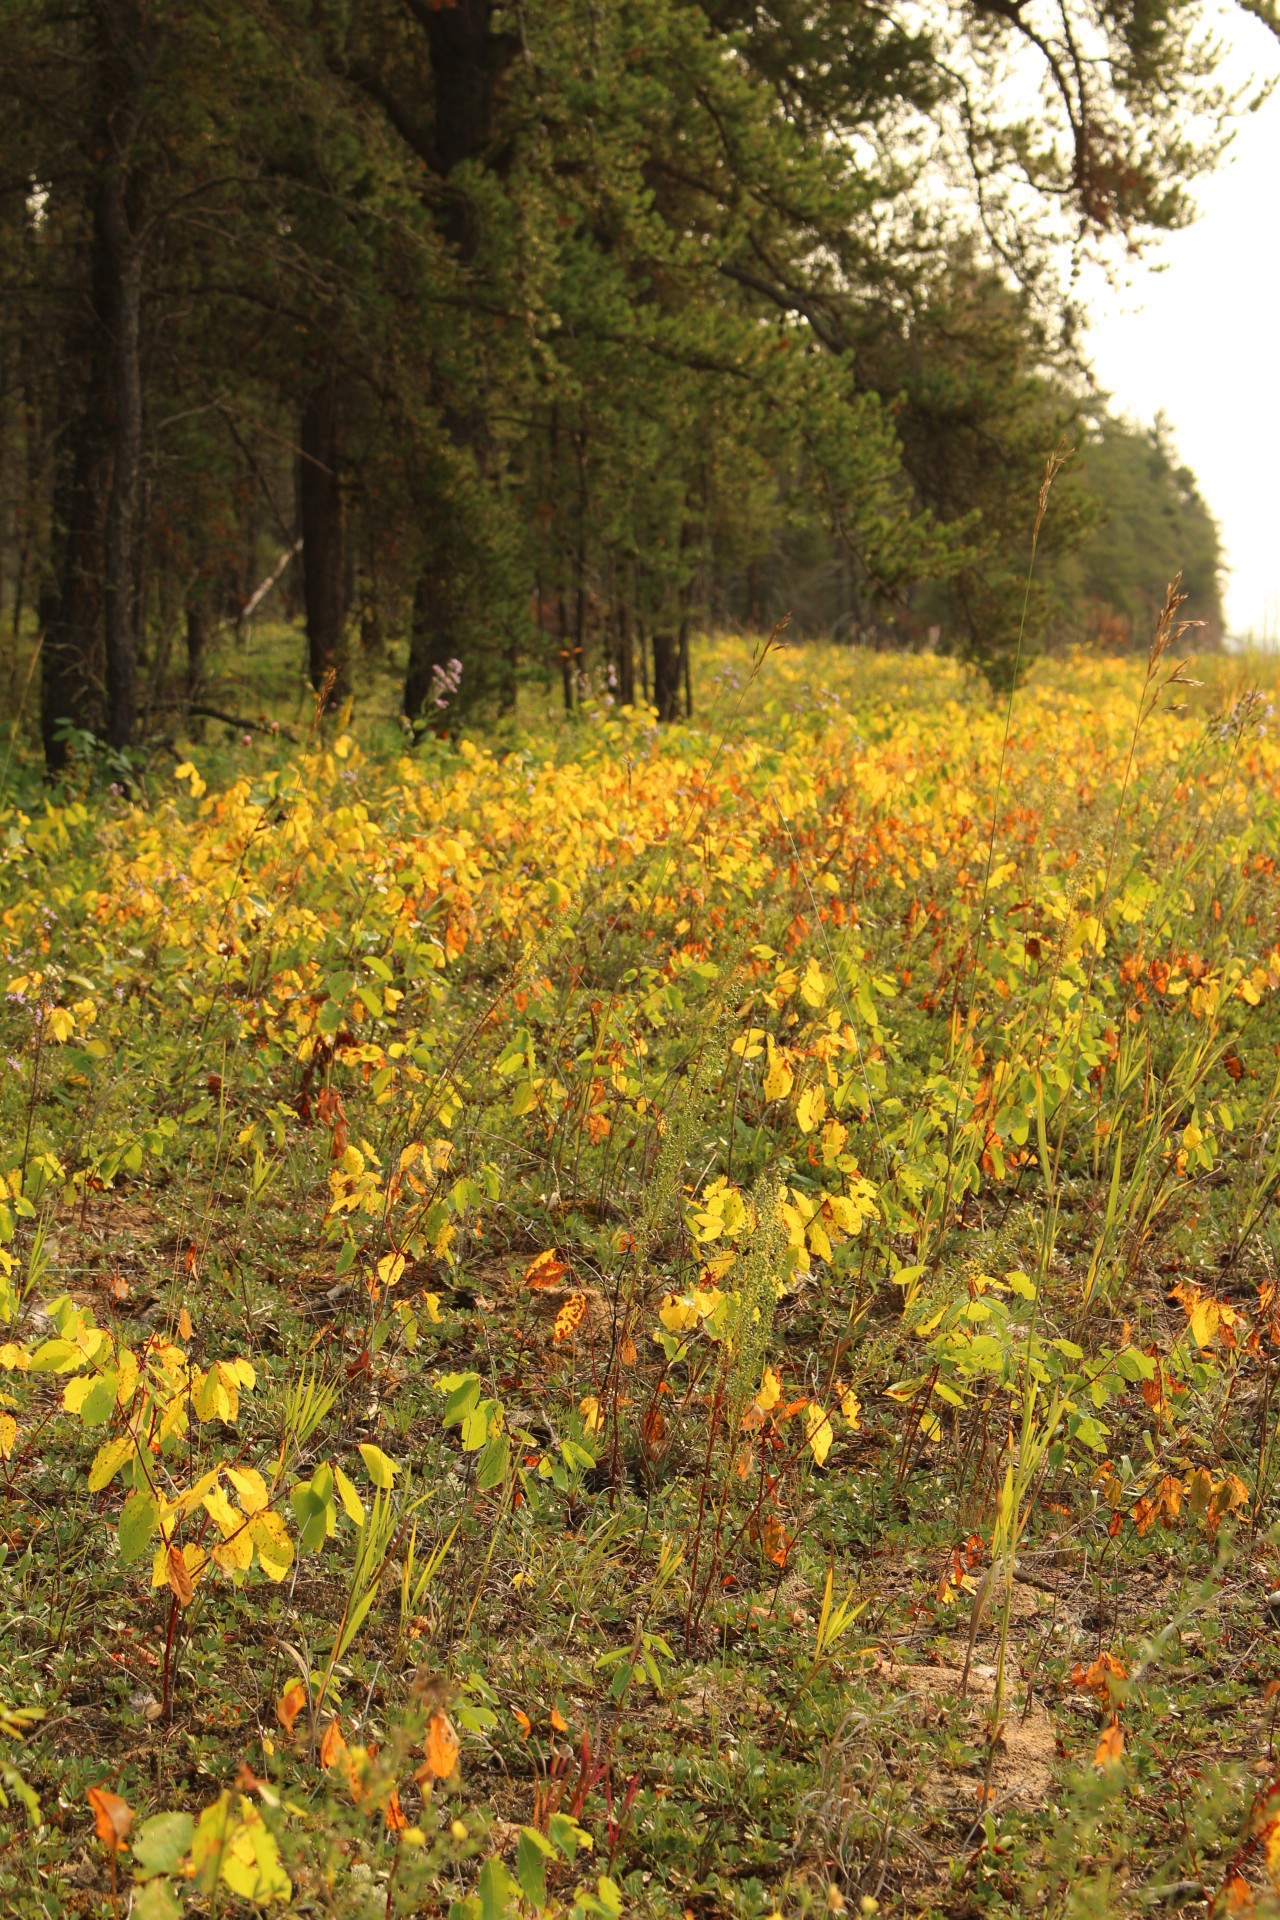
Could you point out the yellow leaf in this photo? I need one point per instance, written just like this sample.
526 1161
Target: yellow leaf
275 1549
250 1487
778 1079
819 1436
433 1308
1204 1322
677 1312
390 1268
810 1108
770 1391
221 1512
8 1435
589 1408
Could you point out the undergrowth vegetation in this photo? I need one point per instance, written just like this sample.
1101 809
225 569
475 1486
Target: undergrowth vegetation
655 1322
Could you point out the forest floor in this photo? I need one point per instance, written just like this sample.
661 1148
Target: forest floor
676 1324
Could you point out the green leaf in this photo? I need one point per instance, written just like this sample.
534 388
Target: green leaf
99 1403
491 1468
532 1854
497 1891
160 1844
464 1391
137 1524
155 1901
56 1356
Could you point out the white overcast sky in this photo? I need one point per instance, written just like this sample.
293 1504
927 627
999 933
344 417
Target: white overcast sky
1199 341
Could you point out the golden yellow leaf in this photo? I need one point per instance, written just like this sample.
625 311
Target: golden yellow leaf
819 1435
778 1079
677 1312
569 1318
770 1391
589 1408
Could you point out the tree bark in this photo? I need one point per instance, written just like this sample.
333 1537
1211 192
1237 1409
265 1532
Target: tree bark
197 631
323 573
667 674
123 266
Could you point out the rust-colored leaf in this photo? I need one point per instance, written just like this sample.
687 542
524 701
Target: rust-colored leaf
112 1818
545 1269
178 1574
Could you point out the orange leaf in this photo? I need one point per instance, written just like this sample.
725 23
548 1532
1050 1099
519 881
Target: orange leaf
179 1577
558 1722
393 1813
1235 1895
185 1328
545 1269
1100 1675
441 1746
290 1705
333 1746
112 1818
523 1721
1110 1746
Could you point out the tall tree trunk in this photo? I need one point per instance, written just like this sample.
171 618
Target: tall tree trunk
466 59
70 603
323 573
667 673
123 269
197 633
69 607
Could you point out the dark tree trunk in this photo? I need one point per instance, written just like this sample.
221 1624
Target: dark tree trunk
566 653
70 606
430 634
197 634
626 659
124 282
667 674
323 573
70 602
466 59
